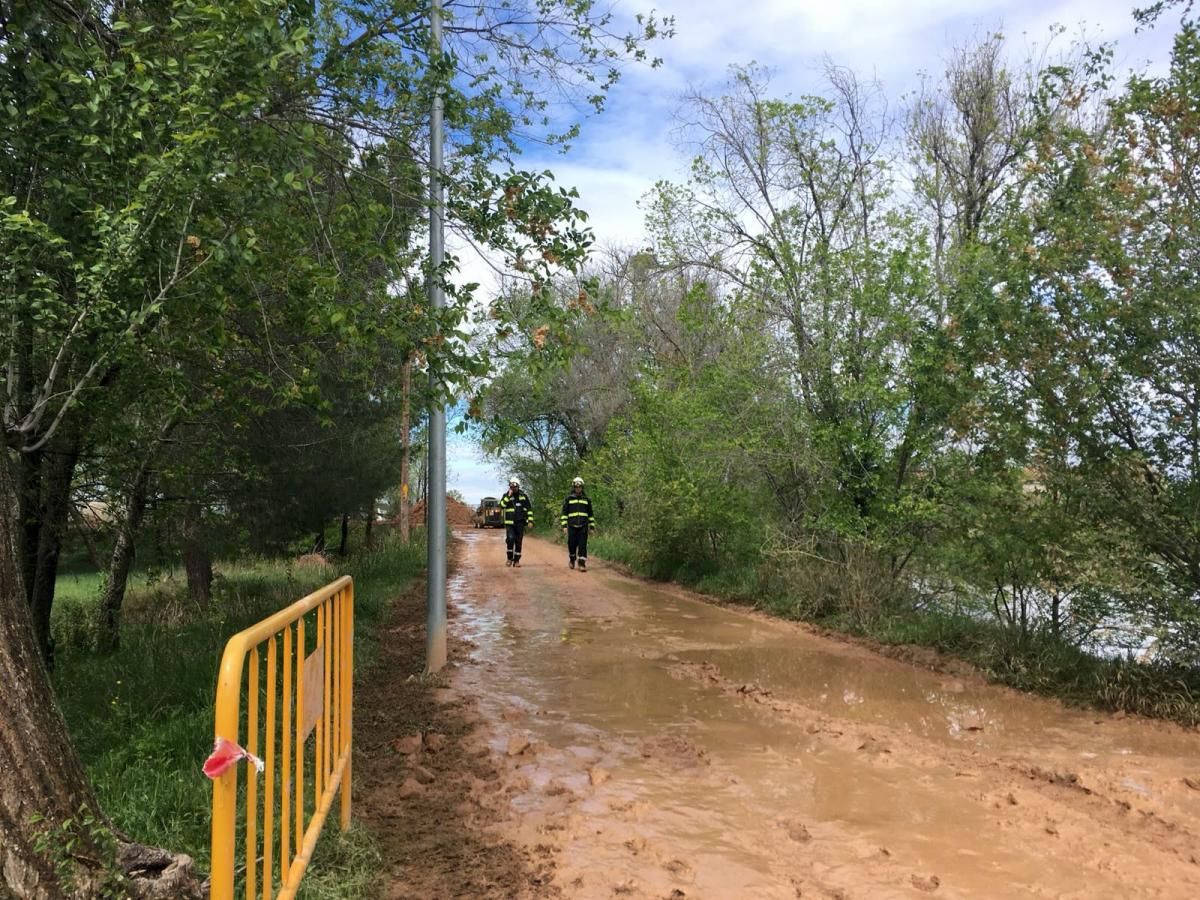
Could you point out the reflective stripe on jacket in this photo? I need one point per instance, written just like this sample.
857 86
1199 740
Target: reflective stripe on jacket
577 511
518 510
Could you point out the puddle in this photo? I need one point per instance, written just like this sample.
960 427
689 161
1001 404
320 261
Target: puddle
587 660
852 682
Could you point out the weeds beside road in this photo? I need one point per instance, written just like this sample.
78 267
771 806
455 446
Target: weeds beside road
142 717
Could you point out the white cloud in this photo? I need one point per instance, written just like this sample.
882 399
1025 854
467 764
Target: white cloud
609 194
630 146
609 188
474 265
870 35
470 472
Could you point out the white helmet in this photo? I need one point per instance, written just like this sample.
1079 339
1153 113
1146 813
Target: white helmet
578 481
514 481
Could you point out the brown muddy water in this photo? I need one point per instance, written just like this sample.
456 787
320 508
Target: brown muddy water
661 746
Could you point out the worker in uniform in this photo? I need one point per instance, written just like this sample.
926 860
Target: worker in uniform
518 515
577 520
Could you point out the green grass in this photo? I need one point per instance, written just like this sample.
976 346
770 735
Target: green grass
1037 662
1041 664
614 548
737 583
142 717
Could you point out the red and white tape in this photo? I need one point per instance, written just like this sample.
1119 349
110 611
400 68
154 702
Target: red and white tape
226 754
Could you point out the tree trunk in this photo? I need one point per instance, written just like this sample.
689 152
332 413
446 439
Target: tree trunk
29 489
41 775
42 782
57 471
345 533
405 443
422 492
197 562
122 559
319 542
368 532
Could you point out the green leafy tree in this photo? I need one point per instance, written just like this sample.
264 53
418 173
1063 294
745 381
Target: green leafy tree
1105 295
788 204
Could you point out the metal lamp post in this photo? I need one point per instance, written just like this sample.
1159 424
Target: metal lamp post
435 506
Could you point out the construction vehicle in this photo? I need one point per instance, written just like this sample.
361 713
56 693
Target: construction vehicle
488 514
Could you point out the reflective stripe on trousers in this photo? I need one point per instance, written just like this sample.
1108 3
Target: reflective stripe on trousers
514 536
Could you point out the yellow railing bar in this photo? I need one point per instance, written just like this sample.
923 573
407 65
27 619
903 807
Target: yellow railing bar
346 706
331 741
301 738
251 780
268 871
285 765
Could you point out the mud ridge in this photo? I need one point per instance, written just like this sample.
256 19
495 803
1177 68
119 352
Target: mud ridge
1064 795
418 775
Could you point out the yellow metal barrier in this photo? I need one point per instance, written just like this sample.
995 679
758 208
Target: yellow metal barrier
307 691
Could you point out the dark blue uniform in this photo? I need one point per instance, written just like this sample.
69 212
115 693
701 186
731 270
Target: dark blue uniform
518 515
578 518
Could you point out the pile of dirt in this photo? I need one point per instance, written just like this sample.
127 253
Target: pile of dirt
311 561
458 514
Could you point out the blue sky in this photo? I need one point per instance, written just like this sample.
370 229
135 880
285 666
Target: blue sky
467 468
622 152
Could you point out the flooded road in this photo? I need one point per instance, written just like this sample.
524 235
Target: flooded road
659 746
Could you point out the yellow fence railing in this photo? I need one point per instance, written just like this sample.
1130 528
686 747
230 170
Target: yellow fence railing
297 718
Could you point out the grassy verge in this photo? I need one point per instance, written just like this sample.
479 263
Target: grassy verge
1037 662
739 584
1040 664
142 720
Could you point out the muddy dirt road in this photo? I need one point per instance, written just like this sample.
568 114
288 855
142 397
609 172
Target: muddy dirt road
658 746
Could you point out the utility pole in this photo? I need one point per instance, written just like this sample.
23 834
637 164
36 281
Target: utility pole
405 443
435 505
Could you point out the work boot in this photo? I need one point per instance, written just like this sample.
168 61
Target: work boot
516 563
571 564
583 565
507 563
